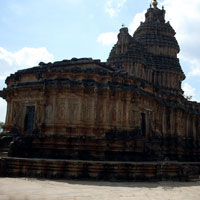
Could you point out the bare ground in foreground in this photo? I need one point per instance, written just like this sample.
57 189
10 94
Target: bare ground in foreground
34 189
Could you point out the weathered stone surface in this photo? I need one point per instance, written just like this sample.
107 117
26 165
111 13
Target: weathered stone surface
130 108
98 170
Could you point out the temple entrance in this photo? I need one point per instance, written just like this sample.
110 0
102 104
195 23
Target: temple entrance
29 118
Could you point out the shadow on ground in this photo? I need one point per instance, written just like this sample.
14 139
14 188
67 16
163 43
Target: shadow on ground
164 184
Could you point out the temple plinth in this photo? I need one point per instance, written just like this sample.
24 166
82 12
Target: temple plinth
126 118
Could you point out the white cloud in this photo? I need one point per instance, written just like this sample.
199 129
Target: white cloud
24 58
112 7
189 91
184 16
10 62
3 107
107 38
138 18
110 38
194 65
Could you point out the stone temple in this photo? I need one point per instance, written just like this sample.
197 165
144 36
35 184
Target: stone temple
126 118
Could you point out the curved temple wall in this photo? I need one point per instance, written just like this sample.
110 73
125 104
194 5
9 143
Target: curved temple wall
89 103
130 108
99 114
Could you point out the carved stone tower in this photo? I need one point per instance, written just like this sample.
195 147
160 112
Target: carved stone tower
76 116
151 54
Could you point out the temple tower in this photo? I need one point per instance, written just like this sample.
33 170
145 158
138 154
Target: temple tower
151 53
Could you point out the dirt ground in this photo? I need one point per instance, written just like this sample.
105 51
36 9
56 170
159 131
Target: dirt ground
33 189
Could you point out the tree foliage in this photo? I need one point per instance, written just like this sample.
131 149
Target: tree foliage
188 97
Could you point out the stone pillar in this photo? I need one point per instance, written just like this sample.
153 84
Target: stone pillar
192 126
175 128
163 121
54 109
186 125
196 127
105 98
165 80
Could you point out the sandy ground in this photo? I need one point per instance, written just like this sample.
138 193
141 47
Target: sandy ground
33 189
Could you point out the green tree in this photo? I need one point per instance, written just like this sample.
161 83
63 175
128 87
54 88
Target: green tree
188 97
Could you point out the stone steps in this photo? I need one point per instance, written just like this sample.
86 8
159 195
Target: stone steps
4 152
95 170
194 179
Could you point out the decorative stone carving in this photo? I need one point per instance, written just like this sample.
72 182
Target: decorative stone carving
86 111
48 113
61 110
99 112
130 108
73 108
39 114
17 113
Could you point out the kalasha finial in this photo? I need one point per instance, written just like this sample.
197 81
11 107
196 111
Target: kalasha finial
155 3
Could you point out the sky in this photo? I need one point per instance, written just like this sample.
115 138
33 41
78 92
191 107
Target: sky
51 30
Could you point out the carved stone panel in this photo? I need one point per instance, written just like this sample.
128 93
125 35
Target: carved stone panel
180 122
134 116
86 110
16 113
119 113
113 114
49 113
73 111
99 112
61 109
39 113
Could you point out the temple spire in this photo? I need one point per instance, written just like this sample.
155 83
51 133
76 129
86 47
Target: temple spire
154 3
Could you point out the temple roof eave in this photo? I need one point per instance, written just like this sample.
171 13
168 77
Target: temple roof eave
64 66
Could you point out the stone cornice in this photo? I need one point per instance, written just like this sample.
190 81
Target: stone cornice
135 89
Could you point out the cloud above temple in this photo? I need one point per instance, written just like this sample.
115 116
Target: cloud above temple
10 62
189 90
110 38
184 16
24 58
113 7
107 38
3 107
185 21
139 17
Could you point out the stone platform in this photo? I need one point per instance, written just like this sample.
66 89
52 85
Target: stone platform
98 170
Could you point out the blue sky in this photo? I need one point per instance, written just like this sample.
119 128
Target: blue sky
49 30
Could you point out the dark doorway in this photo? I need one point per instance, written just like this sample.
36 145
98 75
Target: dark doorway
143 124
168 120
29 118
